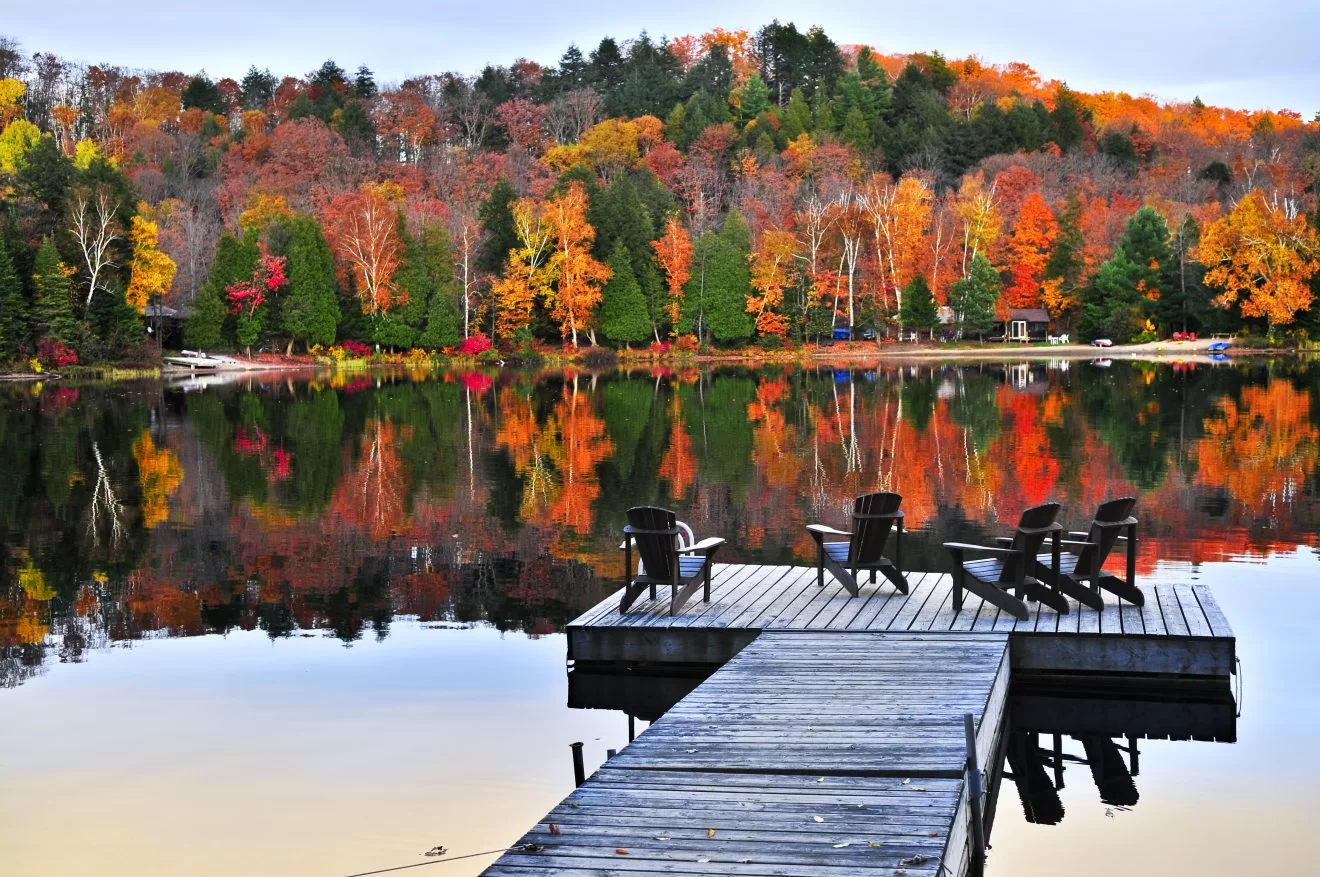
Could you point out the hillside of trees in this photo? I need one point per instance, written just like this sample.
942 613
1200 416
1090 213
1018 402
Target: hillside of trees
723 189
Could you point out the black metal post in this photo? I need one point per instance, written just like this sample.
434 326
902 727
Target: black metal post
579 773
974 795
632 728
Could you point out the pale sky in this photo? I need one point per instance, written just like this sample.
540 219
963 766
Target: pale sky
1258 54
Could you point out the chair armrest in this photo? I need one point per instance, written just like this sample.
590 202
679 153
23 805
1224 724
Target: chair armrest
1110 525
704 546
1081 543
638 531
967 546
1081 533
826 531
1056 527
888 516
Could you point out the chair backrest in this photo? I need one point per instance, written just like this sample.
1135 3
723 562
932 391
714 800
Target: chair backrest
654 531
1028 538
1102 538
873 517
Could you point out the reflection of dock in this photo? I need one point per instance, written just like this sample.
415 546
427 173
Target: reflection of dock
806 754
1180 630
831 740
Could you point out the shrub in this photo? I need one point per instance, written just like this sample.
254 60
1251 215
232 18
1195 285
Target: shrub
55 354
356 349
474 345
688 344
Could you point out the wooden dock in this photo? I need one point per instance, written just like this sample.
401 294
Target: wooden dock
1180 631
830 753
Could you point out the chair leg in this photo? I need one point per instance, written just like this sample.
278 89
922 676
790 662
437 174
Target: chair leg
892 573
1122 589
705 590
957 586
993 593
820 564
849 583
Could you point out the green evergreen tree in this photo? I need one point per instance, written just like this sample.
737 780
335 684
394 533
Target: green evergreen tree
918 310
796 117
623 316
52 312
13 309
975 297
428 279
1124 294
311 305
715 298
206 319
755 97
1066 262
208 323
620 217
204 94
496 215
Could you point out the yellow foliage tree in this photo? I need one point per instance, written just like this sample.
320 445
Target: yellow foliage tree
525 275
11 92
262 210
86 152
152 270
772 266
33 582
1261 256
16 141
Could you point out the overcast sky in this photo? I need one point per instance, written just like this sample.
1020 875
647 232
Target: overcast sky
1254 54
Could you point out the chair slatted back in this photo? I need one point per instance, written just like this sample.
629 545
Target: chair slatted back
873 517
654 531
1103 538
1036 518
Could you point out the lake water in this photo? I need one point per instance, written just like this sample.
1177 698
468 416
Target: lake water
311 626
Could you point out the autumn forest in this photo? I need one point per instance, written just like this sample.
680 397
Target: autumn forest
726 189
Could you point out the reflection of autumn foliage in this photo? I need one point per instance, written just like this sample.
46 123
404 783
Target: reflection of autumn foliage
679 466
1262 448
1025 444
159 476
373 496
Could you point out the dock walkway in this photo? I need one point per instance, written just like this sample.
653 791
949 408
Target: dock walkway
1180 631
807 754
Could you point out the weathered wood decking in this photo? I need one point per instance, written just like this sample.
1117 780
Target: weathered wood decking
1180 630
807 754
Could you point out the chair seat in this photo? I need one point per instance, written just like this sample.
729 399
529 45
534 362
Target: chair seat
987 570
837 551
1067 562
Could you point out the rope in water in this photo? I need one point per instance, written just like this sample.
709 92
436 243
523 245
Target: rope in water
518 848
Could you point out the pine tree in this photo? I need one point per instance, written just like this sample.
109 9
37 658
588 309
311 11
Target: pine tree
1127 286
717 292
796 117
496 214
206 319
975 297
311 307
623 316
13 309
918 310
52 311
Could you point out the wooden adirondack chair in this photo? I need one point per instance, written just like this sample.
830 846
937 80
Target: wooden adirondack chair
1085 562
1011 564
873 517
684 569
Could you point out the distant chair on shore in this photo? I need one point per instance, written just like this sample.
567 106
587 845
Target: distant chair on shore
874 517
666 559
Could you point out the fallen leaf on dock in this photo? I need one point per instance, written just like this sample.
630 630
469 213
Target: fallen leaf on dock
710 832
689 750
554 829
436 850
659 838
744 861
876 843
621 852
933 834
900 871
842 845
907 781
820 779
817 819
701 860
916 860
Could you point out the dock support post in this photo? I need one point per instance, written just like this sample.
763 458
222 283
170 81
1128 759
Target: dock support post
632 728
974 798
579 773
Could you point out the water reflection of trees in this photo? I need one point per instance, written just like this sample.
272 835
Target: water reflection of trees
496 498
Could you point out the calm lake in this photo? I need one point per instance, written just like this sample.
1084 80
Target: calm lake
311 626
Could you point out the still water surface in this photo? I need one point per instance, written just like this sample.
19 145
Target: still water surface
310 627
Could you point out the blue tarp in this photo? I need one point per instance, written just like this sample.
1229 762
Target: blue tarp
842 334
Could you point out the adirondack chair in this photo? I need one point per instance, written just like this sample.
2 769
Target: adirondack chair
1013 565
1085 562
873 517
664 562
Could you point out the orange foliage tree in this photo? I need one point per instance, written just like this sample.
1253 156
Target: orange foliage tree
526 275
772 270
1029 252
673 250
1262 256
579 277
363 229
